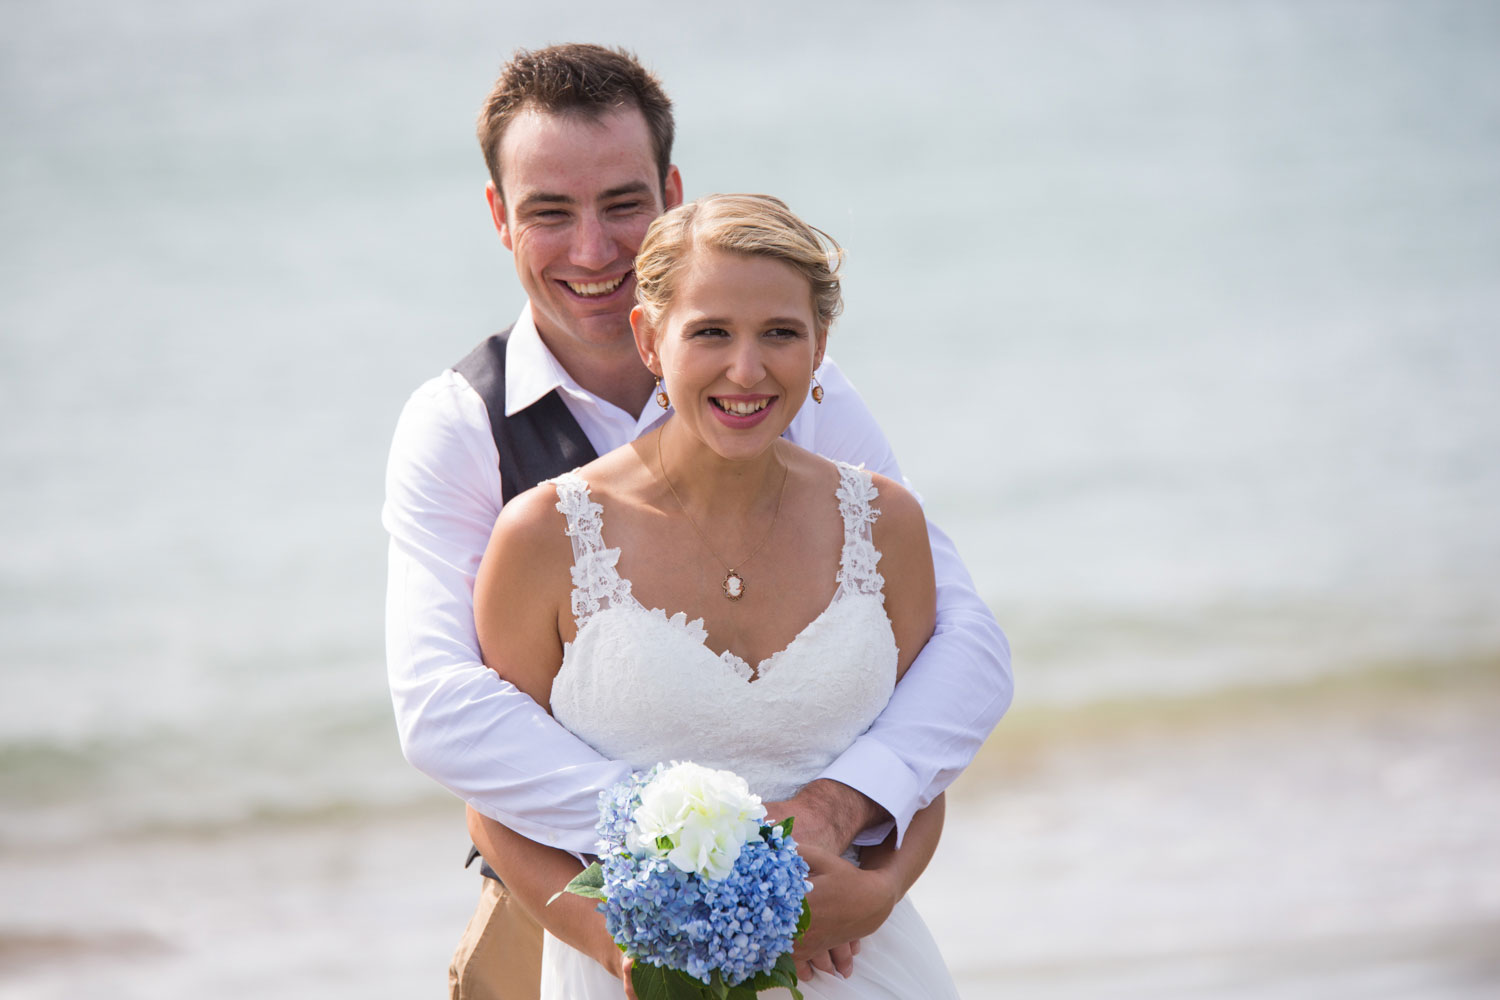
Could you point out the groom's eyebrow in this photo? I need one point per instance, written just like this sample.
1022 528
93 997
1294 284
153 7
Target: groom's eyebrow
542 198
634 187
537 198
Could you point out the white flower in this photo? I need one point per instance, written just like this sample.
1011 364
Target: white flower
697 818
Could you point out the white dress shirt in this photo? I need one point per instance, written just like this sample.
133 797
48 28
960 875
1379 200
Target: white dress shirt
496 748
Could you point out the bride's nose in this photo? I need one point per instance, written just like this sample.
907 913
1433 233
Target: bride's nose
746 367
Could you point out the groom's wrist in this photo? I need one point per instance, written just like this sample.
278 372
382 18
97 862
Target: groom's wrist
831 814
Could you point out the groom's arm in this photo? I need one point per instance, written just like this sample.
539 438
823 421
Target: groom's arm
459 723
953 694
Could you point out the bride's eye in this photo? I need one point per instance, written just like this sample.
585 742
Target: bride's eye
784 333
710 331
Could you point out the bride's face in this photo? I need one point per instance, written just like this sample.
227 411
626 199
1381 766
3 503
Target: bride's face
736 349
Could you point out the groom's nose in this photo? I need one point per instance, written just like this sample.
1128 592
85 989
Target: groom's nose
592 245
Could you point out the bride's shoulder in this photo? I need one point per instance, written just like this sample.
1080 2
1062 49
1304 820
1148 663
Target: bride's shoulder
891 501
532 528
606 487
535 508
901 520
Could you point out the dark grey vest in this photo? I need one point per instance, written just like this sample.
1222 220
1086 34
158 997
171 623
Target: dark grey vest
535 444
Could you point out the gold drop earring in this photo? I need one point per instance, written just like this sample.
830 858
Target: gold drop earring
817 390
661 394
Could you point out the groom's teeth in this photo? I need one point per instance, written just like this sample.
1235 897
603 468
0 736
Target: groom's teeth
741 409
595 287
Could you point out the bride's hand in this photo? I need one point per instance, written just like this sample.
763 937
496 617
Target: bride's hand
626 964
848 903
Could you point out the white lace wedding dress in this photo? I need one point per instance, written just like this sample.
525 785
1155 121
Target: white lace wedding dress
642 687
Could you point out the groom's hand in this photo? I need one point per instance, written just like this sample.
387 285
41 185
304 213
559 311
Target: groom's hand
829 814
847 903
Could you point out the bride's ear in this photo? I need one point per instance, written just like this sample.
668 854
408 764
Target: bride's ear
820 346
645 339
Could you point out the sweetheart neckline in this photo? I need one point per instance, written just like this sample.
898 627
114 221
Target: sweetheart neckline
740 667
597 580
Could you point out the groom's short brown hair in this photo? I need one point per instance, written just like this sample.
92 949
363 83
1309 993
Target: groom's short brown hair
588 80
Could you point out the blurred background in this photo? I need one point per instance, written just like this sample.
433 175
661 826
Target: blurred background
1184 317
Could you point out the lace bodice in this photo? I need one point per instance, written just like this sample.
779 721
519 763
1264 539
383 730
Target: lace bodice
643 687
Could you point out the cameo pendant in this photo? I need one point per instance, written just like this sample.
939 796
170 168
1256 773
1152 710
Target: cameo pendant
734 586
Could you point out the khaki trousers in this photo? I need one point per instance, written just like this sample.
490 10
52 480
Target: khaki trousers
500 956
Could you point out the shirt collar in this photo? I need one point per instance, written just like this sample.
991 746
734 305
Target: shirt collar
531 370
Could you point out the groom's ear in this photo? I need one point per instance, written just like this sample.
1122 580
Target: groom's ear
672 189
497 213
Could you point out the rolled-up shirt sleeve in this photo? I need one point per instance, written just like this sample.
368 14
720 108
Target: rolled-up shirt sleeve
958 687
459 723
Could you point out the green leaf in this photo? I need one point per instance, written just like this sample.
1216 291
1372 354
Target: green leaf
803 920
681 986
786 971
717 988
783 974
652 982
786 826
588 883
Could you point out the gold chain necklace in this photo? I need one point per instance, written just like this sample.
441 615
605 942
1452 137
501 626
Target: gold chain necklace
734 583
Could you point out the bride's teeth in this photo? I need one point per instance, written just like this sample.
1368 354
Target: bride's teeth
741 409
595 287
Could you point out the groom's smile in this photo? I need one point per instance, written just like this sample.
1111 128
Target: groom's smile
595 289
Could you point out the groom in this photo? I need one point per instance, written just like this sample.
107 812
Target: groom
578 142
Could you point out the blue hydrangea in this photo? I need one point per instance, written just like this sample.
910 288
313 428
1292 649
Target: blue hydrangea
664 916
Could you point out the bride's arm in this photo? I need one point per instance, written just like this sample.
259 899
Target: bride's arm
522 600
522 593
849 902
534 873
900 535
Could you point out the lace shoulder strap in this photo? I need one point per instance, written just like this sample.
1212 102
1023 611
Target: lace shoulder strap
857 573
596 583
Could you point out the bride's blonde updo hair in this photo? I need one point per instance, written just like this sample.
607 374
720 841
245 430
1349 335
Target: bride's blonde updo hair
754 224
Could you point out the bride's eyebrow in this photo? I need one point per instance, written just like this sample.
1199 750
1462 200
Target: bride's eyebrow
702 320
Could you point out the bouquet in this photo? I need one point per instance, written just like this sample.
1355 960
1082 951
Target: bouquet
704 896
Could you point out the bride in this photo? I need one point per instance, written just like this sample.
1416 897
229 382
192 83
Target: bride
796 591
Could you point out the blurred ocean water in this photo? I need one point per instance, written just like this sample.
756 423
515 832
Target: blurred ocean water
1183 318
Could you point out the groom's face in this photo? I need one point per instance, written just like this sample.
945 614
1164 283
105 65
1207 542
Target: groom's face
578 194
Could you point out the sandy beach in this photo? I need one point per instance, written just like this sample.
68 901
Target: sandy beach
1319 841
1325 840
